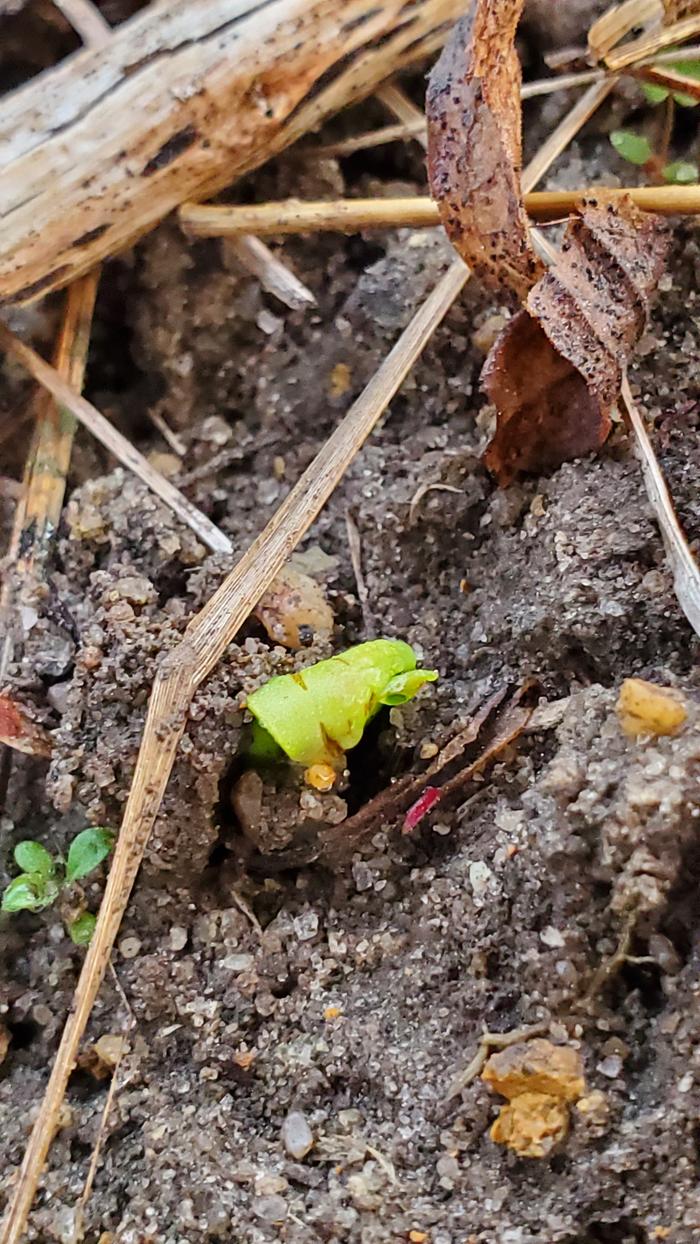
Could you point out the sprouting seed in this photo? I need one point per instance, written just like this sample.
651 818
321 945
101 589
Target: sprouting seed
318 714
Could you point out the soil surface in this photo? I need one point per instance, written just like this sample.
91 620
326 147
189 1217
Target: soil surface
294 1033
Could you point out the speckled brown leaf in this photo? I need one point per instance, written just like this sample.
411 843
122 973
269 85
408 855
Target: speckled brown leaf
555 371
474 146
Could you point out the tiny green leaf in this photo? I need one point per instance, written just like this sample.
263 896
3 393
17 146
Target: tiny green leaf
655 94
29 892
681 173
87 850
31 857
632 147
82 929
404 686
691 69
321 712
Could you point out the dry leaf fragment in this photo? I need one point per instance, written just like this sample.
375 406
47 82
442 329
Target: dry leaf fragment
555 372
19 730
644 708
546 415
474 146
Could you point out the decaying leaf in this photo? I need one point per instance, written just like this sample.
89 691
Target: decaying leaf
19 730
474 146
555 372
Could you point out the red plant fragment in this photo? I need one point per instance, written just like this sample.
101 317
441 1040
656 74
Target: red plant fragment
555 371
18 730
431 795
474 147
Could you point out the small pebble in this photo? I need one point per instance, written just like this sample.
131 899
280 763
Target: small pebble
178 938
297 1136
129 947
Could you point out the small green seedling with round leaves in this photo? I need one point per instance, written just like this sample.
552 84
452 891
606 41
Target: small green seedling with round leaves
636 148
42 877
320 713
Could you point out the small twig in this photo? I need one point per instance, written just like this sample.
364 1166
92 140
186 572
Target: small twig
113 440
78 1222
289 216
395 99
273 275
422 491
171 438
686 573
610 966
355 546
417 127
372 138
615 23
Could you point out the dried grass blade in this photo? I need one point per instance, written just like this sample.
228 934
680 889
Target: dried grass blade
648 44
617 22
49 456
123 450
686 573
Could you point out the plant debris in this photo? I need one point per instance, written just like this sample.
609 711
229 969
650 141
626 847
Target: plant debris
539 1079
474 146
555 371
294 610
643 708
18 729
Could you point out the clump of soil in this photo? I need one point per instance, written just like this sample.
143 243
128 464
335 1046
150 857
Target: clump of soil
259 991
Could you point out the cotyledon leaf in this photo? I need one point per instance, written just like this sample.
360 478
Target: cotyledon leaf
319 713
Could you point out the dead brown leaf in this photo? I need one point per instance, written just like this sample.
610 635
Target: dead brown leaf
555 372
474 146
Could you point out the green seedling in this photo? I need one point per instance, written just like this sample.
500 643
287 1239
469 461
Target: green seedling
43 877
637 149
320 713
657 94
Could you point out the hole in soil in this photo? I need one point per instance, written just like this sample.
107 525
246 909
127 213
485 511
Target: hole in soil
371 765
624 1231
645 980
282 989
23 1033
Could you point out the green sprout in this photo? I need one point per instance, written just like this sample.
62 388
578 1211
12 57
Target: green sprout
657 94
637 149
42 877
316 715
